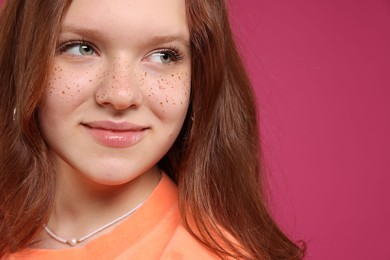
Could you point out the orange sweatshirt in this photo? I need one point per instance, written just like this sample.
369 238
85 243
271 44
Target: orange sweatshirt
154 231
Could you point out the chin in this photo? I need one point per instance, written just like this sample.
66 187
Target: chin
113 178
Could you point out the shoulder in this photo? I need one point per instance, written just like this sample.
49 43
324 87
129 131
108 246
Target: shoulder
183 245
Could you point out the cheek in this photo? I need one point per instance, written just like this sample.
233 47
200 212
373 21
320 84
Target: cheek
168 94
68 88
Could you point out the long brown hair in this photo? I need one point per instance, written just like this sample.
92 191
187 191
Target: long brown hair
27 182
215 160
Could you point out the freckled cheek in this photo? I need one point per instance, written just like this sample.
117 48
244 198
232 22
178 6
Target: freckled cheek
68 87
169 94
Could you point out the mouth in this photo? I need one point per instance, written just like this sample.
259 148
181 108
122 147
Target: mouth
115 134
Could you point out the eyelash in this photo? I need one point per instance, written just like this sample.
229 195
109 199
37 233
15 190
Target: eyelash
174 53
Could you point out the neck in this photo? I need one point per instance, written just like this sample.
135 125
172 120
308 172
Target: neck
82 207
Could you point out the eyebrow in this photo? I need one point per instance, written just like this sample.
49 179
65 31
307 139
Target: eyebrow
89 33
162 39
158 39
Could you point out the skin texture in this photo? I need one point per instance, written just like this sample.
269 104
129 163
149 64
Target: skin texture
120 64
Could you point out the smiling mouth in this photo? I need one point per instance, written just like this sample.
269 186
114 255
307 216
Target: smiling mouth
115 135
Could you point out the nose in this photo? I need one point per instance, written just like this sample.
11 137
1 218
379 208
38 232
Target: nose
119 90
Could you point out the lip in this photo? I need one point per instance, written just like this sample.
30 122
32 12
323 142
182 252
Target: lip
115 134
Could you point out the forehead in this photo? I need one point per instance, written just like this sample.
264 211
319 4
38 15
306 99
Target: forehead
136 18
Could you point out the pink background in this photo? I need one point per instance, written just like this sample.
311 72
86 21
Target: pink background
321 74
321 70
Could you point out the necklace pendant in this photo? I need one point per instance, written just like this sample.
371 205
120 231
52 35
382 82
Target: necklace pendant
72 242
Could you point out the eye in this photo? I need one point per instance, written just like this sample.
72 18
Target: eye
165 56
77 48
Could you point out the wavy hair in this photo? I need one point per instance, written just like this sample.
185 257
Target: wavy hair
214 161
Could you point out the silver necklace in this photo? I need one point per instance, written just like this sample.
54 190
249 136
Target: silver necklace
75 241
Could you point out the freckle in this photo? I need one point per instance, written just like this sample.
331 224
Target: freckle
63 92
113 77
172 75
90 80
146 74
78 90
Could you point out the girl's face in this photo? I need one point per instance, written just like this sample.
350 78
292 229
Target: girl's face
119 88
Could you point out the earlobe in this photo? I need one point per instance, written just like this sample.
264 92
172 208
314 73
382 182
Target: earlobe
14 114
